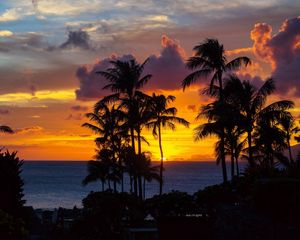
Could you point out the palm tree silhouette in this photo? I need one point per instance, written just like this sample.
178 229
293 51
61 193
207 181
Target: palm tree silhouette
251 101
290 129
163 117
147 171
210 57
109 126
97 170
126 80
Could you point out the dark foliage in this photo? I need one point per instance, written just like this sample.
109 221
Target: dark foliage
279 198
174 203
105 215
12 228
11 183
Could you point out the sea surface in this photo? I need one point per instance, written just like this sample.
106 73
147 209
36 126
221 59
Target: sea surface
53 184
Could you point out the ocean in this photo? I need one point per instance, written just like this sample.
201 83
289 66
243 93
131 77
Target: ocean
53 184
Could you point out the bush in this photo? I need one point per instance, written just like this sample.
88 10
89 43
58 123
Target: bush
216 194
11 183
174 203
105 214
278 198
11 228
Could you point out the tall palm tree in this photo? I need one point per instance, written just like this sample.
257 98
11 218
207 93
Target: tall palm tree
251 101
148 171
96 171
125 80
289 127
163 117
210 60
108 124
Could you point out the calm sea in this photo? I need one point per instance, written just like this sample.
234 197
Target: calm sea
52 184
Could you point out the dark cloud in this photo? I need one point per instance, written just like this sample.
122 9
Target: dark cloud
282 50
4 111
167 69
76 117
29 81
90 83
192 108
26 130
79 108
77 39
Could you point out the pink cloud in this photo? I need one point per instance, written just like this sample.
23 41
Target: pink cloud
167 69
282 50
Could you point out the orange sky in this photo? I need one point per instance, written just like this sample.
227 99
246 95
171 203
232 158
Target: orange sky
48 52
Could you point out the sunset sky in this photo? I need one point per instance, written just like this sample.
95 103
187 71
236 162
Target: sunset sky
50 49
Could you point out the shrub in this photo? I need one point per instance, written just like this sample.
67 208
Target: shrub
11 183
174 203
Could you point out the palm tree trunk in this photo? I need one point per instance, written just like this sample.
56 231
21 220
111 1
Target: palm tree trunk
232 162
250 156
140 185
115 186
109 187
132 138
222 142
122 181
223 160
135 185
161 161
237 166
130 179
290 149
144 186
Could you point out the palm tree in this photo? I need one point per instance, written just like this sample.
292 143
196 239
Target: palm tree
96 171
251 101
288 125
109 126
126 80
270 141
163 117
210 57
147 171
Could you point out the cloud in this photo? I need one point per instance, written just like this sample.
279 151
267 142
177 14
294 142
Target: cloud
27 130
5 33
282 51
79 108
191 107
167 69
77 117
77 39
10 15
90 83
4 111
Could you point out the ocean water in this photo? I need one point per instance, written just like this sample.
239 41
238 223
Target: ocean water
53 184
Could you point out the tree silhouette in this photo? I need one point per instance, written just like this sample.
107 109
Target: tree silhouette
163 117
11 183
251 101
288 125
126 79
210 57
108 125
